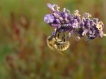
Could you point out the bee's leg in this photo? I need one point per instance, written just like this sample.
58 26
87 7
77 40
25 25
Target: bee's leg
69 35
62 46
63 37
87 40
58 35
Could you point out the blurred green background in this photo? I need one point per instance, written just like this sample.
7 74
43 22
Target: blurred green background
23 50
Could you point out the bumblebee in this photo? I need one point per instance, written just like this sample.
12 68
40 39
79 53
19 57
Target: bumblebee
58 42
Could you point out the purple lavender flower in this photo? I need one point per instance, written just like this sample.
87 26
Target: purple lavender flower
49 18
74 23
60 19
51 6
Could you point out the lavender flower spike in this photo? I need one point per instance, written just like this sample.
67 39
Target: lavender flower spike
74 23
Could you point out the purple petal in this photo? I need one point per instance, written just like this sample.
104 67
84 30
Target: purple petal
82 24
101 34
91 22
58 21
49 18
75 24
51 6
78 18
64 9
56 25
103 26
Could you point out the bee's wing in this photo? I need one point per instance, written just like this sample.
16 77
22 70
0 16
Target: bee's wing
58 51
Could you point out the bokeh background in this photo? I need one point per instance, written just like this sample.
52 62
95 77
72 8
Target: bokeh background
23 50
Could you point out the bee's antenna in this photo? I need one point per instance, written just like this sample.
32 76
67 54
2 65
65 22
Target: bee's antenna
45 34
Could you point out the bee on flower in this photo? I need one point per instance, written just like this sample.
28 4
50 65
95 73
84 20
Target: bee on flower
74 24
